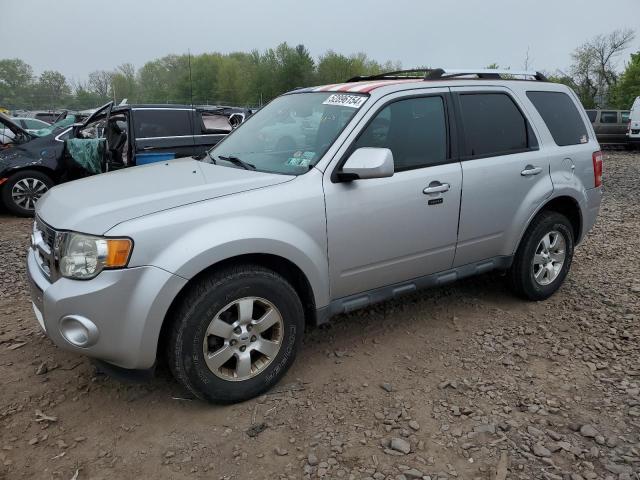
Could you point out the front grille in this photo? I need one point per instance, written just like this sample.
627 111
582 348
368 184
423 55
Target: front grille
44 246
635 132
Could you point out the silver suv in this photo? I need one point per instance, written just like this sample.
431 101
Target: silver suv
374 188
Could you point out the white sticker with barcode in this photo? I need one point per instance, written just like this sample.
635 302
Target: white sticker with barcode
345 100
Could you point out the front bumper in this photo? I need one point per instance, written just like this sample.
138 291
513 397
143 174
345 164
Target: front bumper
126 306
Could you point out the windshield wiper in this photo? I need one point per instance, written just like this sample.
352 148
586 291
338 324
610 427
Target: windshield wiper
237 161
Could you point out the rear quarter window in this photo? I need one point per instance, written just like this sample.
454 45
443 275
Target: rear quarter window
592 114
561 116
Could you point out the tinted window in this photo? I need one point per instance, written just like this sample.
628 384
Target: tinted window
561 117
625 117
493 125
413 129
608 117
162 123
592 114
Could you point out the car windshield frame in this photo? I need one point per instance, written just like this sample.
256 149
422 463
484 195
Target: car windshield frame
333 111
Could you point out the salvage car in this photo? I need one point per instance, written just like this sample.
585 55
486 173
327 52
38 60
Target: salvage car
216 266
611 126
111 138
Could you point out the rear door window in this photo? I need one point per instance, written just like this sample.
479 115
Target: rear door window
493 125
609 117
150 123
625 117
561 116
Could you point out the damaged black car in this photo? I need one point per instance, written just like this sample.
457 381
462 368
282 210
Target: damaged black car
113 137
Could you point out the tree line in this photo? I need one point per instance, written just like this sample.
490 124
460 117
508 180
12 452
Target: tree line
254 78
210 78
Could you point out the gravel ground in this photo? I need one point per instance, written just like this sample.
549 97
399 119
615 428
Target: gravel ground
458 382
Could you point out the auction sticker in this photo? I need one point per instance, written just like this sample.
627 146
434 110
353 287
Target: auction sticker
345 100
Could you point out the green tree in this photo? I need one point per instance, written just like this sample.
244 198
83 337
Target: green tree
52 90
123 83
628 85
16 82
100 83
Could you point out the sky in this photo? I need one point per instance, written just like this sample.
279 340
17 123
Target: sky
76 37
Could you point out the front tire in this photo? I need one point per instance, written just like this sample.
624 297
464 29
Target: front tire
543 258
235 334
23 190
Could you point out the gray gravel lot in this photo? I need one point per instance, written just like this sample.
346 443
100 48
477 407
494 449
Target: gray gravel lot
464 382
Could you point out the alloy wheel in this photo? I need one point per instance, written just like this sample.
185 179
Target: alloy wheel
243 338
27 191
549 257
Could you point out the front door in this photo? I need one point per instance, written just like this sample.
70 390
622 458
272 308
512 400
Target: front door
388 230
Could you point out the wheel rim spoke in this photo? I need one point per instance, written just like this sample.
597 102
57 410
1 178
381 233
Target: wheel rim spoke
220 328
243 368
245 309
267 321
219 358
267 347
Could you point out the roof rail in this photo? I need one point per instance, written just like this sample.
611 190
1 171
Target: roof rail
484 73
398 74
441 73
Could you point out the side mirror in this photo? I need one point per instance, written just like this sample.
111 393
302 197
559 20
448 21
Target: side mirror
367 162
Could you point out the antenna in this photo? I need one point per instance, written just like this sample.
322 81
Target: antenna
190 79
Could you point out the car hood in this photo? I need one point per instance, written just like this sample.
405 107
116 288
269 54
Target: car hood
98 203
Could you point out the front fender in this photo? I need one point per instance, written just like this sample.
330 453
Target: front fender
194 251
286 220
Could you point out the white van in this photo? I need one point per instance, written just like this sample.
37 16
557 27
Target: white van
634 124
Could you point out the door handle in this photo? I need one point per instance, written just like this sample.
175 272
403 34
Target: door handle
530 170
436 187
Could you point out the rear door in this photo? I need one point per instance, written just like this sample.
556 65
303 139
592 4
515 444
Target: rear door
163 130
505 178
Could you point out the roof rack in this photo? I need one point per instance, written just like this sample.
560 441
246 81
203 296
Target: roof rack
397 75
441 73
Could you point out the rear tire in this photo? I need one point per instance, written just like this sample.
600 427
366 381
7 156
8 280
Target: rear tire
543 258
22 191
235 334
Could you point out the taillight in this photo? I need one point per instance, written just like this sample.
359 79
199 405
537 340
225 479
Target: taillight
597 168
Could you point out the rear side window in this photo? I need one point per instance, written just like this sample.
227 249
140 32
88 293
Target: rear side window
561 117
609 117
493 125
625 117
414 130
592 114
162 123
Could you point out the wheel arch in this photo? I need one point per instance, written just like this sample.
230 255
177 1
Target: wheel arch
38 168
283 266
567 206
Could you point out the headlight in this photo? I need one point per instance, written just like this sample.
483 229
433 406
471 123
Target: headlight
85 256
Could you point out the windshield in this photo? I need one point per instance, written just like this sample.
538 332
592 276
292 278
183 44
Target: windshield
68 120
290 134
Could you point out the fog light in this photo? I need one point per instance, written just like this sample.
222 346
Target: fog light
79 331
